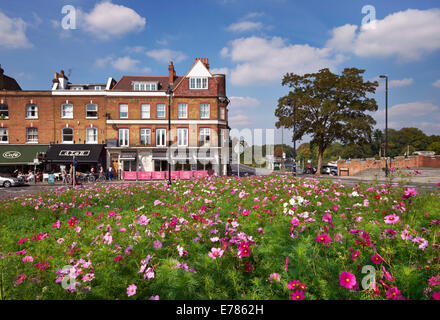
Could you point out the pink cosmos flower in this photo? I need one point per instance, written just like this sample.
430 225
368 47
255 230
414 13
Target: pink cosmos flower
149 274
293 284
118 258
143 220
216 252
131 290
274 277
323 238
393 293
154 297
436 295
392 219
297 295
181 251
387 274
21 252
56 224
60 240
409 192
335 207
28 259
377 259
287 264
355 254
434 280
157 244
347 280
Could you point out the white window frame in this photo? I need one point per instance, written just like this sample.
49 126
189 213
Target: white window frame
204 132
62 136
198 83
144 86
92 104
33 135
76 88
182 134
95 135
120 105
28 111
159 134
4 132
7 109
98 87
124 134
209 111
145 133
164 111
145 112
63 116
183 115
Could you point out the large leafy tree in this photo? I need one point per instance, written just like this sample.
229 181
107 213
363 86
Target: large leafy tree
329 107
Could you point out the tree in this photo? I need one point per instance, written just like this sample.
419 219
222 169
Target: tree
435 146
329 107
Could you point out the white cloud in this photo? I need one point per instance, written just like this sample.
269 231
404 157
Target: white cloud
135 49
108 20
166 55
244 26
263 60
436 84
420 114
407 35
239 120
219 70
13 33
242 102
401 83
124 64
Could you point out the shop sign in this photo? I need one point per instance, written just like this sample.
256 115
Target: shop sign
77 153
11 154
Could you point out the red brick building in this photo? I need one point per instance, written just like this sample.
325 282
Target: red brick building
129 117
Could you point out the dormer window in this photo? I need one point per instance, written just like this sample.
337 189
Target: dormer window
144 86
198 83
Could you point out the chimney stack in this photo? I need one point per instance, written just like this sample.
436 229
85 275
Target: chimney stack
171 73
204 61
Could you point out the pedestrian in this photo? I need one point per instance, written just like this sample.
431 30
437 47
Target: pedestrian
64 176
110 173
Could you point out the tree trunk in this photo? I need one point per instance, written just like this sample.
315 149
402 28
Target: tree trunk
320 156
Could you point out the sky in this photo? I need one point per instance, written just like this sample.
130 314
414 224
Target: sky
253 42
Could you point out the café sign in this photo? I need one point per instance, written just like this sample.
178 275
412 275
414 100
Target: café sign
77 153
11 154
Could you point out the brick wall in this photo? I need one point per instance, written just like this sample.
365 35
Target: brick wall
356 165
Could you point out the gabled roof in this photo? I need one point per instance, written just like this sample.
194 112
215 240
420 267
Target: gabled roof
198 69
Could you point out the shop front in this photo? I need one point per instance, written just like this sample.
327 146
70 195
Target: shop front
88 156
15 158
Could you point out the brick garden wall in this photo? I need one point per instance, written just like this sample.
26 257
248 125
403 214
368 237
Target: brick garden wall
356 165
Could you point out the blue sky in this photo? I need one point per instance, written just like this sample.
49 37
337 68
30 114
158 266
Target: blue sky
253 42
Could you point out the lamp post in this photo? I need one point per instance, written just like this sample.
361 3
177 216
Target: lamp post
386 123
294 134
169 92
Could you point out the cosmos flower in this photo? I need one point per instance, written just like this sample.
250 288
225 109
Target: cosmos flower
347 280
131 290
216 253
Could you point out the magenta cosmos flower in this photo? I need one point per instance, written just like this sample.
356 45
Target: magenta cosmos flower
392 219
347 280
131 290
323 238
377 259
436 295
297 295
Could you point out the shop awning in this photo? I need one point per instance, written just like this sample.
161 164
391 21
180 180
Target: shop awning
85 153
20 154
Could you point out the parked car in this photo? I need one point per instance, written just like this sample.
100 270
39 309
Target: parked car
327 169
10 182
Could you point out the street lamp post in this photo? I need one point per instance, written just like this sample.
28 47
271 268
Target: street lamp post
386 123
294 134
169 92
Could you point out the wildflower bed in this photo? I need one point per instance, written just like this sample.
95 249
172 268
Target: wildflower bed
222 238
